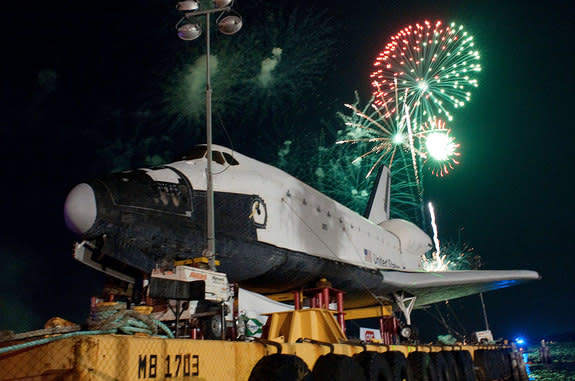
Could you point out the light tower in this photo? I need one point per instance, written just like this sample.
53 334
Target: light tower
229 22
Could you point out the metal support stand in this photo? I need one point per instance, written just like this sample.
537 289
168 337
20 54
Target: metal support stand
405 304
484 311
223 317
211 236
388 328
188 31
320 298
177 313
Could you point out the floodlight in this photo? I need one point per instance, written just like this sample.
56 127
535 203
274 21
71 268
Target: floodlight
222 3
189 32
230 24
188 5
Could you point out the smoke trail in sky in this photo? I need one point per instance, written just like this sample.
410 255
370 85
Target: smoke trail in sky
265 78
187 96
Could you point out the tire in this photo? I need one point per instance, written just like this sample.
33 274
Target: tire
332 367
487 365
465 365
442 368
507 365
398 365
452 368
519 370
497 361
420 367
210 326
278 367
374 365
481 362
480 375
505 361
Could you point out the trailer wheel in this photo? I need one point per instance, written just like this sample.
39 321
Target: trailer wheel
452 368
280 367
465 365
442 370
374 365
504 369
508 365
332 367
420 367
398 364
519 371
484 365
480 375
211 326
496 364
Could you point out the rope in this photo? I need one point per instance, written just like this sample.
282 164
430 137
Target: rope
116 317
51 339
107 319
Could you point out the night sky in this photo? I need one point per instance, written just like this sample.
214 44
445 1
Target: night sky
84 93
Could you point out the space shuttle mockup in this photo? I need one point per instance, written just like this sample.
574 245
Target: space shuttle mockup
274 233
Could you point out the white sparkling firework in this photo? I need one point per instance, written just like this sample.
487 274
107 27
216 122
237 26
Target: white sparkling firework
437 262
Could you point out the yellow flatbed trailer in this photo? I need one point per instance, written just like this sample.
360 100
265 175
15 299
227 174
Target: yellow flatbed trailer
121 357
84 356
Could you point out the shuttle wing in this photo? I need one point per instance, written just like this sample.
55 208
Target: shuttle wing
432 287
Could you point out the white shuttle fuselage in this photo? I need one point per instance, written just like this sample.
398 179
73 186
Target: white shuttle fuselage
273 232
294 216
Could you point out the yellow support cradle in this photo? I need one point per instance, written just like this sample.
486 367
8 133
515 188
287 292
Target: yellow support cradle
312 323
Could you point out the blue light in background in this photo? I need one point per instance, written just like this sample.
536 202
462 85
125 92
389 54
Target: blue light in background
519 341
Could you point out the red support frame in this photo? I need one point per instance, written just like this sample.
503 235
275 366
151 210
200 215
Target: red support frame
321 297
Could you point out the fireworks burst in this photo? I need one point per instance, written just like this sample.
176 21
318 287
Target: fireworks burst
452 256
385 138
329 168
448 256
424 73
425 70
440 148
370 125
431 66
344 179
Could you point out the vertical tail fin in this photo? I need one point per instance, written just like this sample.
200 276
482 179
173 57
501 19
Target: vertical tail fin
377 209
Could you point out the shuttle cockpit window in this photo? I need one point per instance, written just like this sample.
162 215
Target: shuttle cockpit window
143 189
230 159
196 153
218 157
